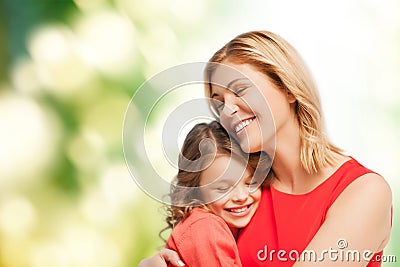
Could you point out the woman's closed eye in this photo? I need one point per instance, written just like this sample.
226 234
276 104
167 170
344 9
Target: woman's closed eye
239 91
218 103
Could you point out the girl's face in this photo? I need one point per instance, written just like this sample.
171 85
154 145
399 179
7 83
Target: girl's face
251 108
229 191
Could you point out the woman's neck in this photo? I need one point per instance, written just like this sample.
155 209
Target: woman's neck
287 167
290 175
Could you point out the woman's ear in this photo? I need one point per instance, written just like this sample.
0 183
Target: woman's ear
290 97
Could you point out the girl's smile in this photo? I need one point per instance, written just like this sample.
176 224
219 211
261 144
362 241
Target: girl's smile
226 187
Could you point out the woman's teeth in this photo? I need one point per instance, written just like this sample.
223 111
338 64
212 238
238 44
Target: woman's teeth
242 124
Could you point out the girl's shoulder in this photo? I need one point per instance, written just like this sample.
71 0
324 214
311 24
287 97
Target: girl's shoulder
204 239
199 217
202 227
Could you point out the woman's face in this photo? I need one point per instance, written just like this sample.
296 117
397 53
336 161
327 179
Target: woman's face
251 108
228 189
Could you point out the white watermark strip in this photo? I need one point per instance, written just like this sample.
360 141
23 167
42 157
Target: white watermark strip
332 254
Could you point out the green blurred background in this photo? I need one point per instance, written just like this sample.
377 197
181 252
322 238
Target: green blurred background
69 68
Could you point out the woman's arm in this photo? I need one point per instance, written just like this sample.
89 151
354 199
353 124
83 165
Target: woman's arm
162 259
358 223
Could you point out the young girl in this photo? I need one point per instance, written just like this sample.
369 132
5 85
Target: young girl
214 196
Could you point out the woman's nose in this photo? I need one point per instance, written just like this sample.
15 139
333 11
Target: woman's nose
230 107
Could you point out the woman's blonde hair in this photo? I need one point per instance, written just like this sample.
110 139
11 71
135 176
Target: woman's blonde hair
192 150
273 56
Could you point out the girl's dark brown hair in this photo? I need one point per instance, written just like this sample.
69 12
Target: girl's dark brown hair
193 150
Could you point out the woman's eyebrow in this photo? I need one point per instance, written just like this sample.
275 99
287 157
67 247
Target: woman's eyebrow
234 81
229 85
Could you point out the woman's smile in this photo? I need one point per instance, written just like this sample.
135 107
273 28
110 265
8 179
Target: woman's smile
239 126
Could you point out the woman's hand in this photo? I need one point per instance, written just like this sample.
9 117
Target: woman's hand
162 259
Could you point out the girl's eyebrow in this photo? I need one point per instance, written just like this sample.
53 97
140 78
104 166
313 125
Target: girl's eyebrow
249 177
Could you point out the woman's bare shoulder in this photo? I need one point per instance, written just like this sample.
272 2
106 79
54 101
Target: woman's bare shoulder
368 185
370 191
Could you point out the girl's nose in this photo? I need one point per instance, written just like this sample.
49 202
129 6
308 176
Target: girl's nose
240 193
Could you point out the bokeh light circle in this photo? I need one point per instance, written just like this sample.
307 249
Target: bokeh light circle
142 119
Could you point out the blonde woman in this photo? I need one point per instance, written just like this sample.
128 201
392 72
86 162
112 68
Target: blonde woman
323 208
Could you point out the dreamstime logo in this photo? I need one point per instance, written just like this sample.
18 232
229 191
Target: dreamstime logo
341 253
160 96
342 243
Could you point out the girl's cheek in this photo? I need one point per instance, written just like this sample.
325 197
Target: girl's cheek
211 196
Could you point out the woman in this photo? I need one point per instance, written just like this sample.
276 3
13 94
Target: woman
320 201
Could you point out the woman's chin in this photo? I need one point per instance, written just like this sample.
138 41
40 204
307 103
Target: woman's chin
248 148
249 144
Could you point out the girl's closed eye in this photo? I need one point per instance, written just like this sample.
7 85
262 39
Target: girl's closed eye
253 183
224 188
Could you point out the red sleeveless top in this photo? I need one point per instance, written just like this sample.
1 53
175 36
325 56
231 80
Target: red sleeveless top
288 222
